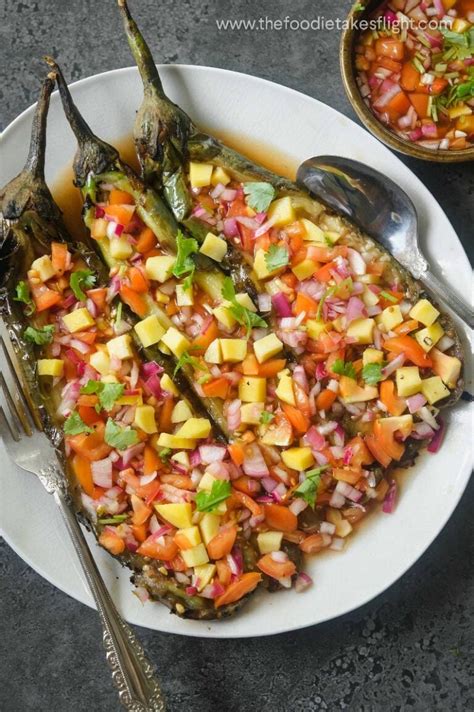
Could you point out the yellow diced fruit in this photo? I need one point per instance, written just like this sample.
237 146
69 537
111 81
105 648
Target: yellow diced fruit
214 247
120 347
190 537
402 423
182 458
224 316
313 232
213 352
99 228
184 297
260 265
267 347
391 317
304 269
159 267
174 442
372 356
408 381
352 393
179 515
200 174
448 368
168 385
424 312
145 419
315 328
130 400
429 337
181 412
269 541
209 526
252 389
233 350
195 429
149 330
101 362
204 574
109 378
343 527
50 367
434 389
120 248
284 390
206 482
298 458
175 341
245 301
220 176
361 330
250 413
197 556
281 212
369 278
78 320
460 25
369 297
44 267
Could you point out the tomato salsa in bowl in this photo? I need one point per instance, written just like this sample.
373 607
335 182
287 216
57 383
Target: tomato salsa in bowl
408 69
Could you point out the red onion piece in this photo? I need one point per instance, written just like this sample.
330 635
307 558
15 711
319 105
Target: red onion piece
390 498
281 305
438 437
254 465
102 473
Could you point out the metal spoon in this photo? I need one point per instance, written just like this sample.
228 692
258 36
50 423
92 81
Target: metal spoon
381 209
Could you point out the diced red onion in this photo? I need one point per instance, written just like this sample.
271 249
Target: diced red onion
231 228
337 544
391 367
346 490
264 302
280 557
416 402
438 437
254 465
102 473
281 305
297 506
426 415
234 416
390 498
211 453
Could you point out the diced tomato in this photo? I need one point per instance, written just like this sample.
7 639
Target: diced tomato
410 78
276 569
386 47
165 551
238 589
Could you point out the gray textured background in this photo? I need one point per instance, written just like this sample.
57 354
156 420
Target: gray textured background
411 648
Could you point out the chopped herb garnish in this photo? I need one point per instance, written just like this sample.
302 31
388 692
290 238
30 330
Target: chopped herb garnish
23 295
389 297
186 360
308 489
117 519
358 7
74 425
372 373
41 336
328 293
119 438
79 280
108 393
266 417
240 313
118 314
209 501
164 454
184 265
276 257
259 195
344 368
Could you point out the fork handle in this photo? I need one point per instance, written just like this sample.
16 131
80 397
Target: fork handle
132 673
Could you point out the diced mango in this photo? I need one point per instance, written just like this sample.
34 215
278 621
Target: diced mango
44 267
343 526
424 312
179 515
313 232
351 392
250 413
78 320
120 248
429 336
214 247
460 25
200 174
195 429
372 356
408 381
448 368
252 389
168 385
159 267
175 443
120 347
267 347
402 423
204 574
434 389
50 367
315 328
298 458
284 390
304 269
136 399
182 458
149 330
101 362
99 228
233 350
224 316
361 330
187 538
197 556
391 317
369 297
181 412
369 278
269 541
220 176
281 212
184 297
214 352
145 419
245 301
209 526
175 341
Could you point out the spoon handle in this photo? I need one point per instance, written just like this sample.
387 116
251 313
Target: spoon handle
446 294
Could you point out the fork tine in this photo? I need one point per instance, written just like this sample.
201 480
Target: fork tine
25 406
6 431
17 422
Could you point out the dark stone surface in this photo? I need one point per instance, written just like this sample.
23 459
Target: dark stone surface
411 648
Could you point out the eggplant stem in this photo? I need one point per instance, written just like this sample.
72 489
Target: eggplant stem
36 155
141 52
78 124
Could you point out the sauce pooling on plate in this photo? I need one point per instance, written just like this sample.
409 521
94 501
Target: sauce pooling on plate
416 71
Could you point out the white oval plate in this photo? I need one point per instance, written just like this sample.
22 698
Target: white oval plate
386 546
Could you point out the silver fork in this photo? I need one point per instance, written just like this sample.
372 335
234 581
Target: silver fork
30 449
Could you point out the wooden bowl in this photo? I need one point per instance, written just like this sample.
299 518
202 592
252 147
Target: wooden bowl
349 73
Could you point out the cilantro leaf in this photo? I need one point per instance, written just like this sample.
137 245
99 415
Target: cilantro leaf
259 195
74 425
184 264
107 392
164 454
389 297
266 417
41 336
276 257
344 368
119 438
328 293
358 7
240 313
308 489
79 280
23 295
116 519
372 373
208 501
186 360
